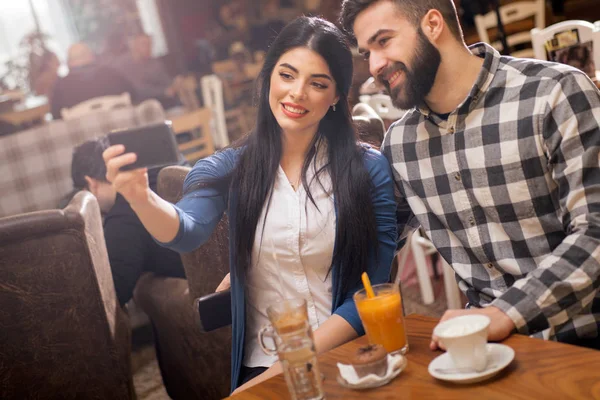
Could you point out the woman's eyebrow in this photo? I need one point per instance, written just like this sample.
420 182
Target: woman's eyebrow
325 76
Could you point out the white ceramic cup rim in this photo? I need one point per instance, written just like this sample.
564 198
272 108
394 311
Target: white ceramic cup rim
482 320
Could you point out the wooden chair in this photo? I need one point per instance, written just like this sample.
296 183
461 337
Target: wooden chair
186 92
201 144
238 121
421 247
512 13
586 30
227 71
237 80
96 104
230 124
212 96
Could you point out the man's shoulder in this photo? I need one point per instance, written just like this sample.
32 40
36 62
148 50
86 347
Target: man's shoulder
544 74
409 121
375 161
215 167
105 69
225 158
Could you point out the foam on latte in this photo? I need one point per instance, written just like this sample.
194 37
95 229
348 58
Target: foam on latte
461 329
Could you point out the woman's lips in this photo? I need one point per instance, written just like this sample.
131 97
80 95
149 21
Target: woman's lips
293 110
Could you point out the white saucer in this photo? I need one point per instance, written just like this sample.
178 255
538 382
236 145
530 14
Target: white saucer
499 356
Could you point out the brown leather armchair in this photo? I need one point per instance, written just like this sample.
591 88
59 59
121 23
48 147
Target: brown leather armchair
193 364
62 332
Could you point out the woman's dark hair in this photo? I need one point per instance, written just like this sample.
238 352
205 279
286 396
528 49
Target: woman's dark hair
254 175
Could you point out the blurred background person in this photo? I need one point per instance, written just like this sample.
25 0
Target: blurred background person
87 79
148 75
131 249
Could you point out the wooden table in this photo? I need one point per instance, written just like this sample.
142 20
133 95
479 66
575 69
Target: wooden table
31 110
540 370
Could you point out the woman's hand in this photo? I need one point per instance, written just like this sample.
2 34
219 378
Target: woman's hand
224 285
133 185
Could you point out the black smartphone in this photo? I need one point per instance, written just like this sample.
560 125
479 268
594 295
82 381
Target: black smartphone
154 145
215 310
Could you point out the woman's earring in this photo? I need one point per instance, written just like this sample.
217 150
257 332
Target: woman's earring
333 106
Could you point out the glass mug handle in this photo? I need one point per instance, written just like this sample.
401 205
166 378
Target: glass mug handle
267 331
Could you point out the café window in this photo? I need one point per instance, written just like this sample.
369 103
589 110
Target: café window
17 20
64 22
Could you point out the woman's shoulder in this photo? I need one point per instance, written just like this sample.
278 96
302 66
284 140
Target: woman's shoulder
218 165
219 162
374 160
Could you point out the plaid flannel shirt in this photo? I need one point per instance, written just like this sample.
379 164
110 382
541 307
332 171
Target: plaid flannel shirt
508 190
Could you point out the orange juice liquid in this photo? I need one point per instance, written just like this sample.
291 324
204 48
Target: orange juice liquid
383 320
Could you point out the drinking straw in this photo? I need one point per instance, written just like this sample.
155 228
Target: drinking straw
367 283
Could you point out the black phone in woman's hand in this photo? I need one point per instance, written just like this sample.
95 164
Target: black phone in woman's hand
154 145
215 310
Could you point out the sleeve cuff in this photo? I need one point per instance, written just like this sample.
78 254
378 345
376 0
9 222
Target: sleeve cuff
523 310
349 312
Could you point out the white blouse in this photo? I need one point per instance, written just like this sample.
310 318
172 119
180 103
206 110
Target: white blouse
292 257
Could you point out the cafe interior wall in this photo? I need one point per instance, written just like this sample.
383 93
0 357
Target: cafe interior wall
185 22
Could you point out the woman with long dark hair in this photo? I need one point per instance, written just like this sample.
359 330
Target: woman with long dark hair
309 207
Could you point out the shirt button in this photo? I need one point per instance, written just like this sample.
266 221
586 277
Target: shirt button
451 130
457 176
489 265
471 221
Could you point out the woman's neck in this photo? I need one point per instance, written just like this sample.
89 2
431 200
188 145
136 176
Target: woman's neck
294 150
295 146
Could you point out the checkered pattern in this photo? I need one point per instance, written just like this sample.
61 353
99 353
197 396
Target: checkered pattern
35 171
508 190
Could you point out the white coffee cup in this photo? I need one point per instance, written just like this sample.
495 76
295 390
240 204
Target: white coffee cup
465 339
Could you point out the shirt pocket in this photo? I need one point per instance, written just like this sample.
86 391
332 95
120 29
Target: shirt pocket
510 188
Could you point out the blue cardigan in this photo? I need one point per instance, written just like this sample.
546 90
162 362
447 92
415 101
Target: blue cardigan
200 211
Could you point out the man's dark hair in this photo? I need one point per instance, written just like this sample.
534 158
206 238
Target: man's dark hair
413 10
88 161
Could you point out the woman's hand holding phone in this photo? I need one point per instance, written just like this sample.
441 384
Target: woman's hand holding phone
158 216
132 184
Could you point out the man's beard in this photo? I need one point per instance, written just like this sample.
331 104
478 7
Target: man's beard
418 79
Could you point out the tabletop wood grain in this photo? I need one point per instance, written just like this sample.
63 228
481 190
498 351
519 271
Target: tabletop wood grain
540 370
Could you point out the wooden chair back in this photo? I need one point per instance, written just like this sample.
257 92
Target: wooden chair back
96 104
186 92
513 13
197 125
587 32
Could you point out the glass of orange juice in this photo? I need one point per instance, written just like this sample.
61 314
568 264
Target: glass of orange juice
382 317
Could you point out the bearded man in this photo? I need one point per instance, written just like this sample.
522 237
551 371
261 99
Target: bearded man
498 160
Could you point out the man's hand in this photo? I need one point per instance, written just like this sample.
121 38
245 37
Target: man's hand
501 326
